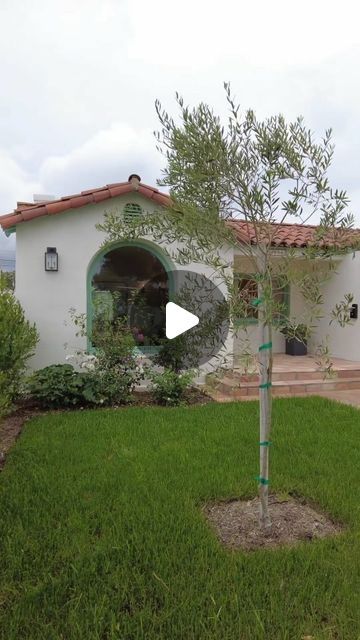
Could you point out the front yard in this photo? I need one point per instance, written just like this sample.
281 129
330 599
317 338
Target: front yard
102 535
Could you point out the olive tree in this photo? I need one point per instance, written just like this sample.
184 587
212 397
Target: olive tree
260 172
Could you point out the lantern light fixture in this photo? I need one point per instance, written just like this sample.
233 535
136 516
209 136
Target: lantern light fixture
51 259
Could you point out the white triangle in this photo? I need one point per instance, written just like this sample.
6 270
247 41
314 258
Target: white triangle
178 320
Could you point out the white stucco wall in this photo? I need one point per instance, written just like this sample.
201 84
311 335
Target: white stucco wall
343 342
48 296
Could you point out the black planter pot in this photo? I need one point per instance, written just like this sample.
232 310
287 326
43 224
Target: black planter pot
294 347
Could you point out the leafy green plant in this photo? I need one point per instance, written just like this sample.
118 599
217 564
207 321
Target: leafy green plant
18 339
114 370
58 385
8 280
173 354
169 388
296 331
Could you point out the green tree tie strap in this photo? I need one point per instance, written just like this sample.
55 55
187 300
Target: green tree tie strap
257 301
266 345
265 385
266 443
262 480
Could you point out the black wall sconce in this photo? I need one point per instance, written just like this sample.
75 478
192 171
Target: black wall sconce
354 311
51 259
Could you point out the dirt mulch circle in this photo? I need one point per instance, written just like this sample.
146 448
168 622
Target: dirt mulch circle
236 523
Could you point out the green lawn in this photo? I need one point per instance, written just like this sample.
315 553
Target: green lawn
101 535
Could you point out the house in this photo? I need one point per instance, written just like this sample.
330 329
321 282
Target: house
76 266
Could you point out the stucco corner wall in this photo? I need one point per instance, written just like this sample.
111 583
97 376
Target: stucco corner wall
344 342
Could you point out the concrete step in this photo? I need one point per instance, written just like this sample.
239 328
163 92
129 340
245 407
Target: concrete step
308 386
290 376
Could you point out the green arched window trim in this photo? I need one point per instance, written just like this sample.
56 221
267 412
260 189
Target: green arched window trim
95 263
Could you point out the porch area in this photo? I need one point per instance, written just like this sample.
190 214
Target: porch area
292 376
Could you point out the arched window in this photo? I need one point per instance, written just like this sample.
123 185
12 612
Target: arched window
130 282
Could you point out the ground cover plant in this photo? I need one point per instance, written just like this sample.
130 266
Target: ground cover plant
102 534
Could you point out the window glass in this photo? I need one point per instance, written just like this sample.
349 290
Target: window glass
248 290
131 283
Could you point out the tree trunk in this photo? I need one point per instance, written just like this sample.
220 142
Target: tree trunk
265 398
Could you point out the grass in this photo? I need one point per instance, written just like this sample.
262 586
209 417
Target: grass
101 534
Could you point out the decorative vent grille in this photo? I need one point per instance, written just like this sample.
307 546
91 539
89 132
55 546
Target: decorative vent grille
132 211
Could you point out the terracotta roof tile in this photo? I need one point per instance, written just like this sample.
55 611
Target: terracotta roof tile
99 196
282 235
29 211
291 235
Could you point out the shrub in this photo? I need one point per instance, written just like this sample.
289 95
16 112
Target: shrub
169 388
114 371
174 354
5 400
58 385
18 339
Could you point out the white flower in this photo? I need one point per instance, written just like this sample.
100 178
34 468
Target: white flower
90 366
69 357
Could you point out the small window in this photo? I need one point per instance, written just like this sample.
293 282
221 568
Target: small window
248 290
131 212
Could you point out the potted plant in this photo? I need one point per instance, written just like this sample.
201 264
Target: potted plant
296 336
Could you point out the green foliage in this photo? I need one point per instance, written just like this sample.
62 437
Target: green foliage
257 171
8 280
299 331
5 397
114 370
18 339
168 387
116 365
174 354
56 386
341 311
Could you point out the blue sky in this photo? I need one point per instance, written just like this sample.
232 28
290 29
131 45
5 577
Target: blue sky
79 81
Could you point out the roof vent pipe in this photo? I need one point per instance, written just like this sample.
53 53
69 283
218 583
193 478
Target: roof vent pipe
135 180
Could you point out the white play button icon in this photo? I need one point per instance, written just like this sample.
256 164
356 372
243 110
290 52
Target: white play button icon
178 320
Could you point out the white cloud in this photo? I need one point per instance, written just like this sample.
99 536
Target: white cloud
15 184
110 155
79 82
203 33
